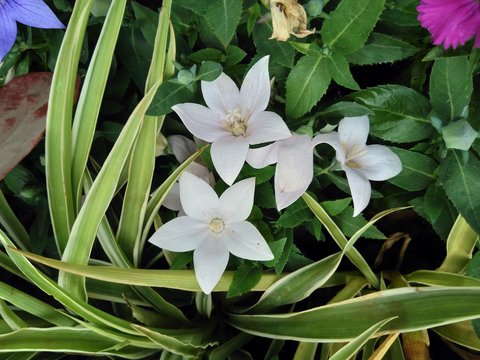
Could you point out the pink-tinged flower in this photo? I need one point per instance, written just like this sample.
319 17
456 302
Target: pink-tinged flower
213 228
29 12
451 22
361 162
234 119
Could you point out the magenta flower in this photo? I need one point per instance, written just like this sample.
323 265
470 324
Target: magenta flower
451 22
29 12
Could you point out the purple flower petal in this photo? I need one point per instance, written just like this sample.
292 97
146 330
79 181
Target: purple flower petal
8 32
32 13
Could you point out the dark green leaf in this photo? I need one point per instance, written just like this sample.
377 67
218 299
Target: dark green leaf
381 48
223 17
350 225
461 183
417 170
349 25
206 54
244 279
294 215
344 108
264 196
400 114
169 93
335 207
450 87
234 55
147 21
209 71
306 84
439 210
280 52
340 71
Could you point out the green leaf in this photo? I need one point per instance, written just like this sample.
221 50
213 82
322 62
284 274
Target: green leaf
280 52
223 16
294 215
146 20
340 71
381 48
169 93
348 26
306 84
460 181
459 135
417 170
264 196
209 71
439 210
298 285
244 279
349 225
450 87
415 308
234 55
335 207
206 54
342 109
400 114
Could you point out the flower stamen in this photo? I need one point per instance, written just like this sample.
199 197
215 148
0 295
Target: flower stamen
236 124
354 152
217 225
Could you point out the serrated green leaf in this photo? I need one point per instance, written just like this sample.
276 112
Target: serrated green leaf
400 114
417 170
169 93
349 225
206 54
280 52
340 71
348 26
244 279
460 181
264 196
450 87
209 71
335 207
439 210
381 48
234 55
294 215
306 84
342 109
223 17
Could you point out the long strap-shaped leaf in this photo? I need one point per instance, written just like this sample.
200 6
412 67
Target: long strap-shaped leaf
58 133
13 226
355 257
90 99
142 159
415 309
85 228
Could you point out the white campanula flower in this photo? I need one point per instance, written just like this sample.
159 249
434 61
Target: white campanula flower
213 228
234 119
361 162
29 12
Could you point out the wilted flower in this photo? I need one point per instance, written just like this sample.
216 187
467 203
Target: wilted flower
288 18
451 22
213 227
234 119
29 12
361 162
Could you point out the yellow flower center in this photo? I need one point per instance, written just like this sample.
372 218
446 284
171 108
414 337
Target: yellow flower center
353 153
236 124
217 225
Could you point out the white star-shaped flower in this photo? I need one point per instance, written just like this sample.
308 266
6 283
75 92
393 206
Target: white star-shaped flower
361 162
234 119
213 227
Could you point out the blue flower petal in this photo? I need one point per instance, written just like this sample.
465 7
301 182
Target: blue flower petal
8 32
32 13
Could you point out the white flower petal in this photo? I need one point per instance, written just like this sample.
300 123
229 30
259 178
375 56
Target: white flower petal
182 147
294 171
199 200
266 126
201 121
228 156
379 163
255 90
245 241
354 131
333 140
237 201
260 157
199 171
221 95
210 260
180 234
172 200
360 189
